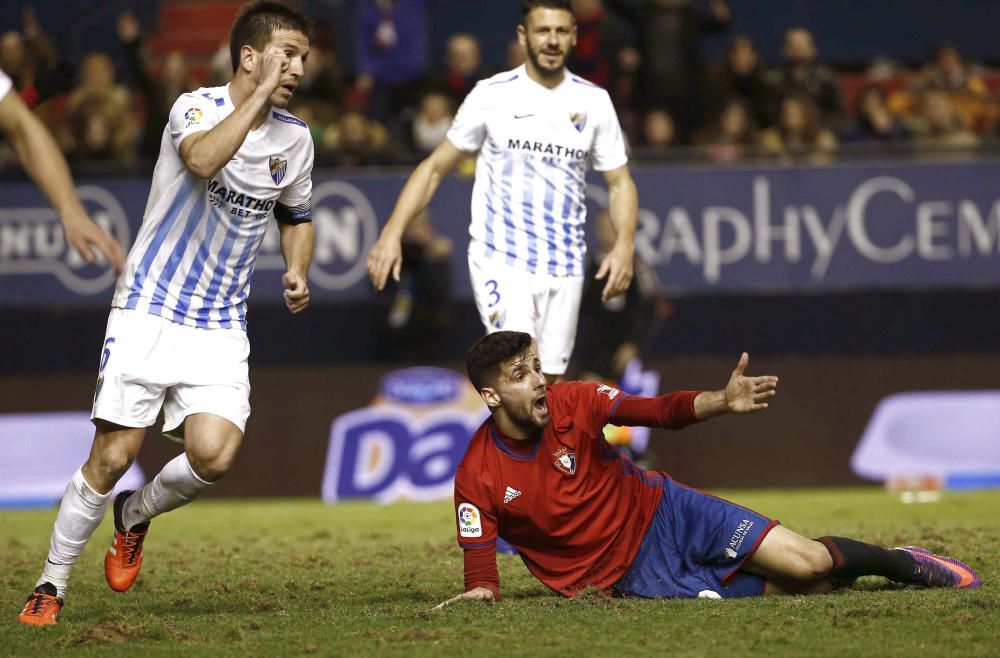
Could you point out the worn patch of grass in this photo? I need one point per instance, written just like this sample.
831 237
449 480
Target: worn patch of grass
295 577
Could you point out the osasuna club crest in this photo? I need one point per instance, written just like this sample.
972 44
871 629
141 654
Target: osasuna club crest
579 120
565 461
279 166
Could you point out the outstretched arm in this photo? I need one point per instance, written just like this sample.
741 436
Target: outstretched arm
386 255
679 409
45 164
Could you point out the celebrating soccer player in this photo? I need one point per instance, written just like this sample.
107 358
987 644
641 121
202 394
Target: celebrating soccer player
230 158
537 128
539 474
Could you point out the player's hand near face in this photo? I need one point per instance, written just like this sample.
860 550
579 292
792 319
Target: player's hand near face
385 257
296 291
617 267
745 394
85 236
272 64
477 594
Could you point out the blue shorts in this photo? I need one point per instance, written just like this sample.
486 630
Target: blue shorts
695 545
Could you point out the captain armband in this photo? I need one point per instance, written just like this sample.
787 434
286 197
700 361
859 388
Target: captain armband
293 214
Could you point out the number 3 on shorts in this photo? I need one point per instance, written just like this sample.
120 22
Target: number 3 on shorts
492 286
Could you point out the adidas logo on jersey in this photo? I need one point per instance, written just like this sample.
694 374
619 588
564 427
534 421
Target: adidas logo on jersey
510 494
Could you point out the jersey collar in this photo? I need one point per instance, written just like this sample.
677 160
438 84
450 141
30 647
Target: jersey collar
498 439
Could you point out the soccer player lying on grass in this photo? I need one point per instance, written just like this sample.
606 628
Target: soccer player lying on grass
539 474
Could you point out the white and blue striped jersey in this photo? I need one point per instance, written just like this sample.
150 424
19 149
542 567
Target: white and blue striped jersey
535 145
194 255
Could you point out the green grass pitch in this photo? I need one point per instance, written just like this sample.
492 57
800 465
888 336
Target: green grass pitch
295 577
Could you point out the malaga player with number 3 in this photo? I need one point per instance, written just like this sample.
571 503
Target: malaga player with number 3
539 474
230 158
537 128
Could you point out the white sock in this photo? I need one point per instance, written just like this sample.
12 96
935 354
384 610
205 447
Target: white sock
80 512
175 486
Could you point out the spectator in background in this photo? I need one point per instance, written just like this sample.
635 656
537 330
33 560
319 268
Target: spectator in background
659 136
13 58
319 129
421 310
515 54
939 126
970 96
357 140
670 38
739 74
801 75
799 132
161 92
93 136
221 66
600 35
323 81
32 61
432 121
875 121
98 102
613 331
462 66
320 98
733 134
391 51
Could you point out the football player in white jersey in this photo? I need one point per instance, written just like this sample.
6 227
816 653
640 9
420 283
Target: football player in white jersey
44 162
537 129
230 158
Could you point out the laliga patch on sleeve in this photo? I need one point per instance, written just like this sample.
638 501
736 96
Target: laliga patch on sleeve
193 116
470 522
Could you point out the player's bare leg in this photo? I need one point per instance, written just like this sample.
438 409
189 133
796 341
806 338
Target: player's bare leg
791 563
80 512
210 446
794 564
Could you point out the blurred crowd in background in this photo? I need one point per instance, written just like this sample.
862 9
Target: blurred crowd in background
394 105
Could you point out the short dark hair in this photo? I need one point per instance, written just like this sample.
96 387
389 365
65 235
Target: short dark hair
527 6
487 354
257 21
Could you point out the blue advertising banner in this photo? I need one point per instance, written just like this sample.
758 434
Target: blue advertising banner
746 229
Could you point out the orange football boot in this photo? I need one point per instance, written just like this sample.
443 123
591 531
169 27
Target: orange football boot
124 557
42 608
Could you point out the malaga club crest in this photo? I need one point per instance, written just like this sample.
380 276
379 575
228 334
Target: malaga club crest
278 168
565 461
579 120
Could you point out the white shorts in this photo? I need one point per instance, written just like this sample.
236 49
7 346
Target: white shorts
547 307
149 362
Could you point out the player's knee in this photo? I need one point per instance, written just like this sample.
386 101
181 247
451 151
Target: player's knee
108 465
815 561
211 465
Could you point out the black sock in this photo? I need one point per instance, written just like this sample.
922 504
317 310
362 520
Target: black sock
854 558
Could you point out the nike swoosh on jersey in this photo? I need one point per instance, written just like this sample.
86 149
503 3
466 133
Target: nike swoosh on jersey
523 116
